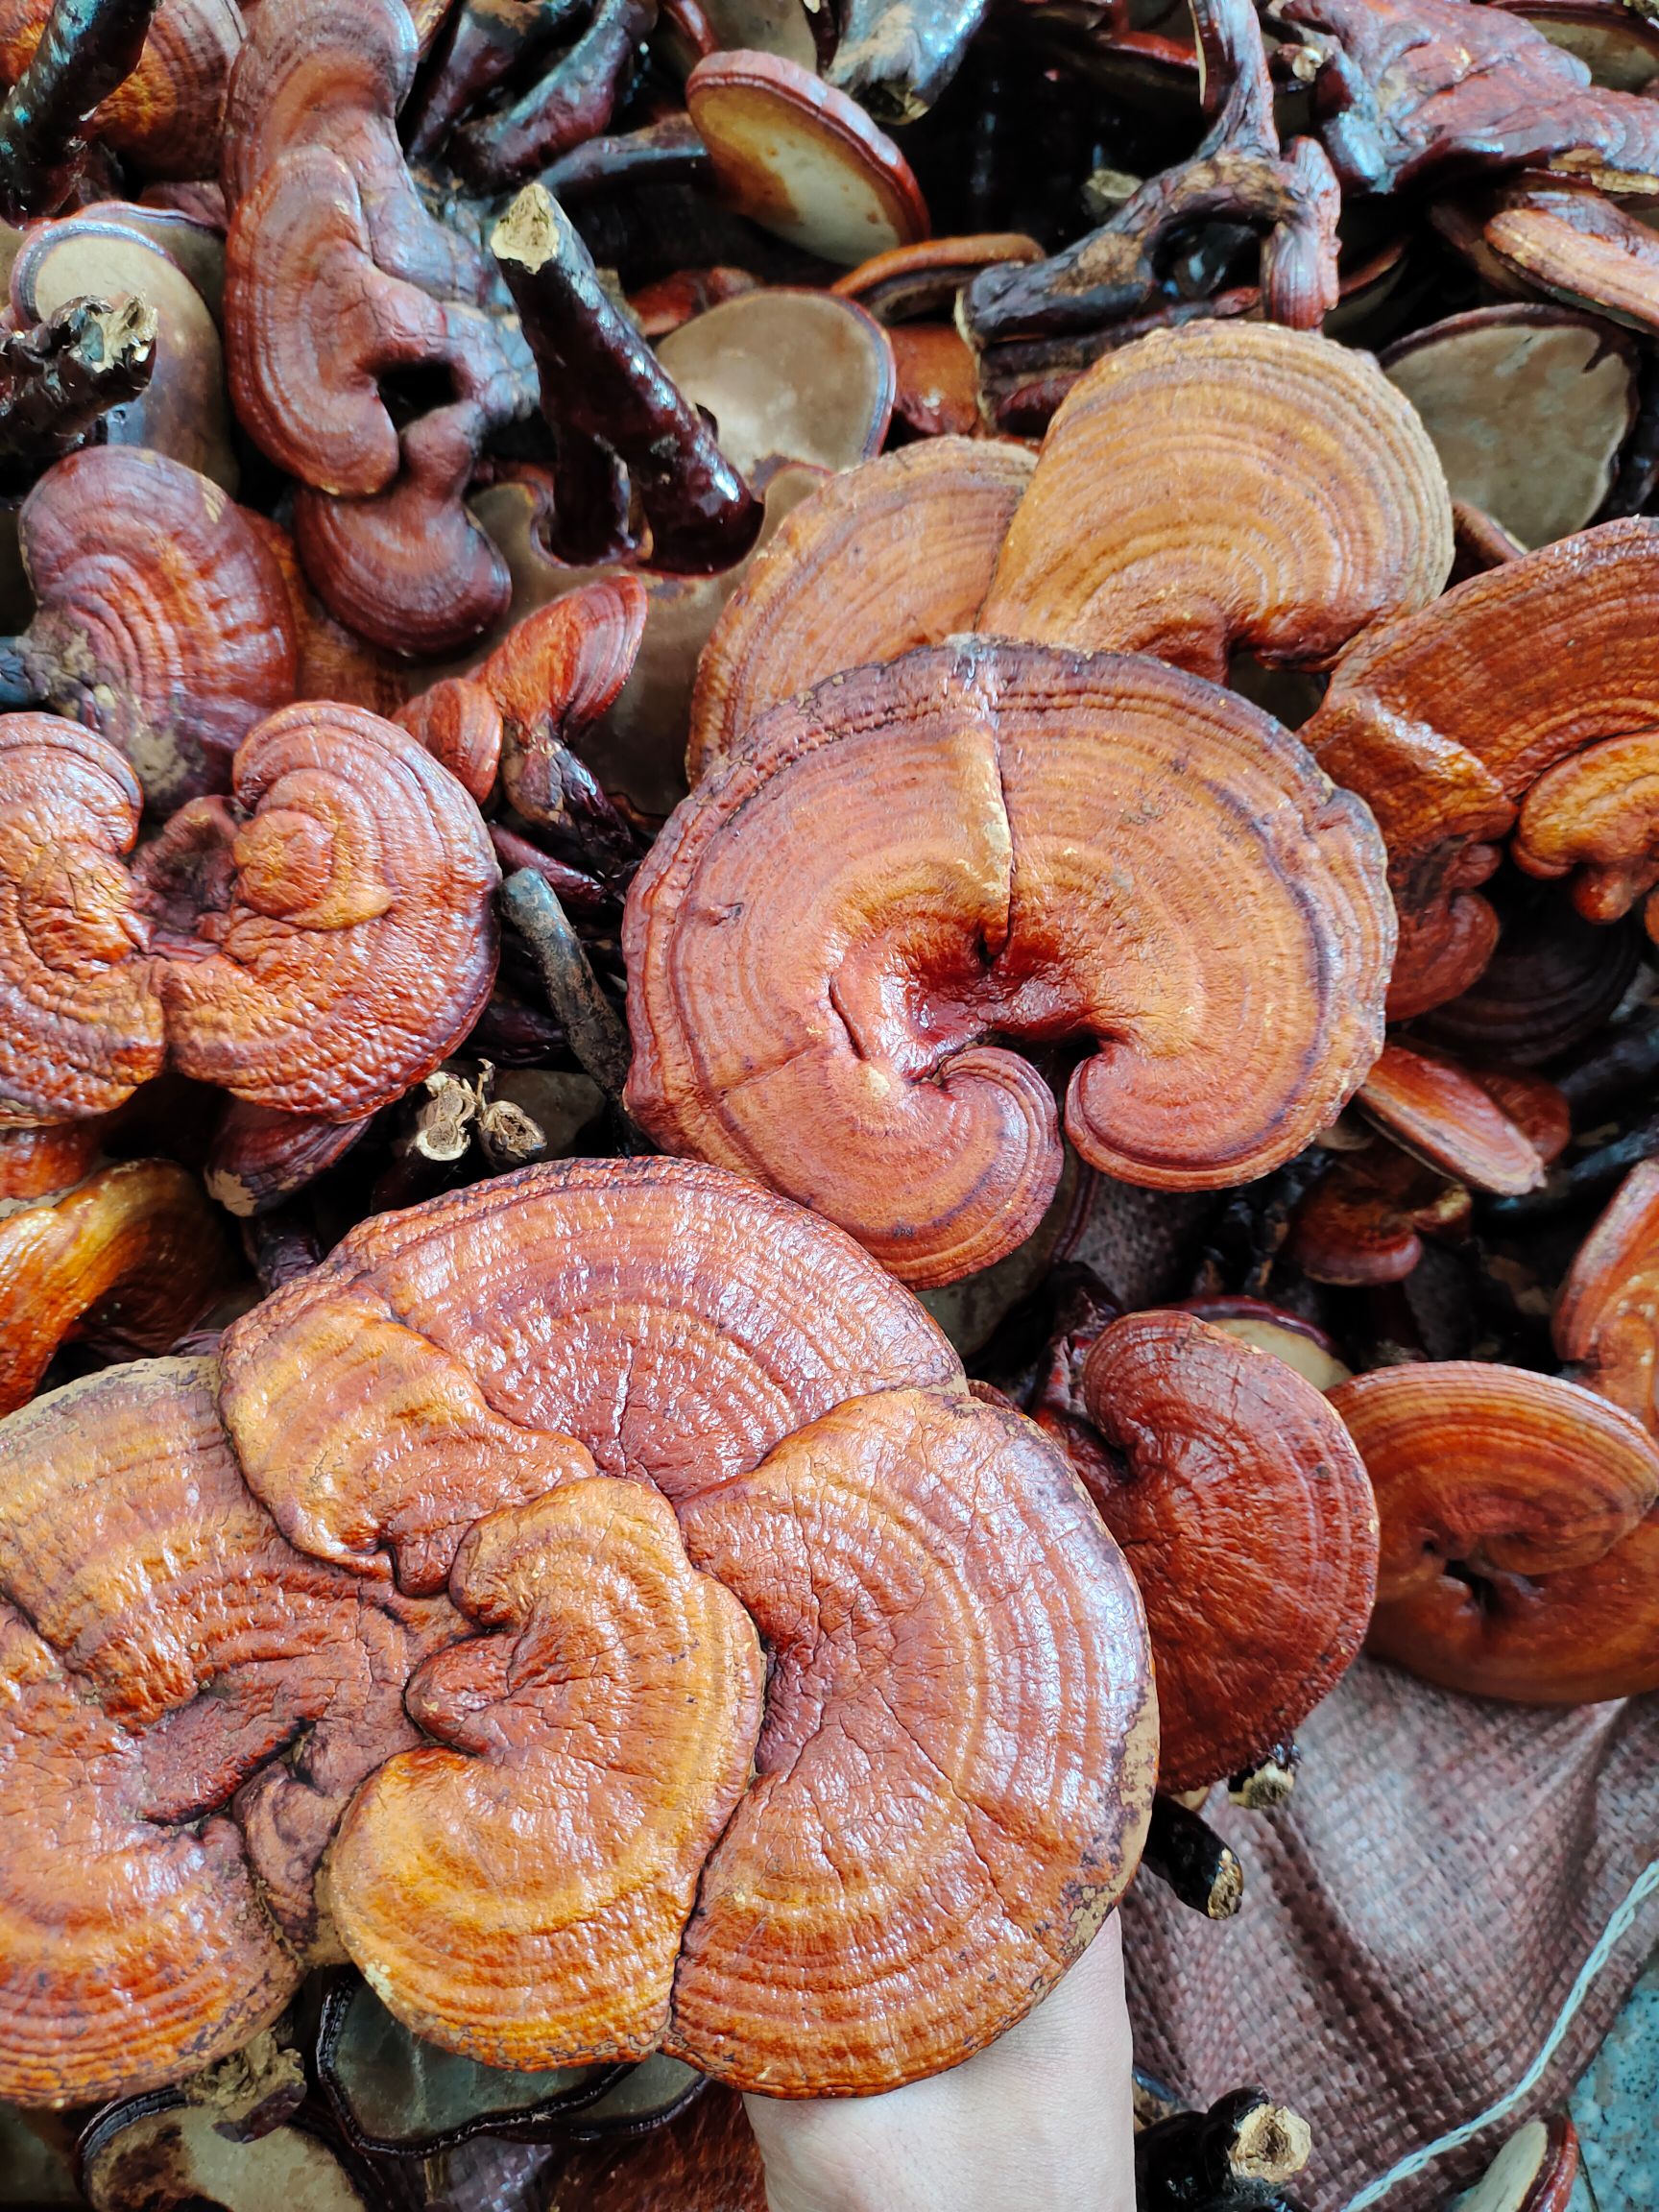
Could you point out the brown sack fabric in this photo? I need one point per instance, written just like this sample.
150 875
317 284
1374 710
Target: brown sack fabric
1413 1922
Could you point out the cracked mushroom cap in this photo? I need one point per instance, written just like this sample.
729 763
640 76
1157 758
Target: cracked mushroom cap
161 1646
1443 721
1607 1318
80 1026
359 940
841 933
1248 1523
161 618
1225 486
1519 1549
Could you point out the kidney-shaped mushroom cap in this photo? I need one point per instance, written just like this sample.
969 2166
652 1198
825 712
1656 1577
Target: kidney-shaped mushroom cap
892 555
521 1893
161 620
992 840
1221 487
1443 720
1597 818
163 1641
1520 1552
1249 1525
1606 1319
360 941
1449 1118
81 1024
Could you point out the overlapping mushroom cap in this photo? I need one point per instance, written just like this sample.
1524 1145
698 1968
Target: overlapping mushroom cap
1520 1548
840 934
642 1418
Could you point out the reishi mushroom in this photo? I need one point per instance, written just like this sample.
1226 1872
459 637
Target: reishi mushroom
1606 1319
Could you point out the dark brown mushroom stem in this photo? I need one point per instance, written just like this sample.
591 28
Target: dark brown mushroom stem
574 100
483 44
1240 2153
573 887
602 384
895 57
1268 1785
1244 1242
1184 1850
666 153
1070 308
61 376
567 804
86 48
1590 1176
597 1035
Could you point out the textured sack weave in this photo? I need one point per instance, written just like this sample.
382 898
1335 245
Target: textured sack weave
1413 1921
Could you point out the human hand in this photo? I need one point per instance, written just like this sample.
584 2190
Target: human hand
1041 2121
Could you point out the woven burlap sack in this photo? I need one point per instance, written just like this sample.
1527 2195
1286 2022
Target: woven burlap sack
1414 1922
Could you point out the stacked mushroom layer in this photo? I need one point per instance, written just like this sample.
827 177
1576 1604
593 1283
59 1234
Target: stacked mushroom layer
430 1619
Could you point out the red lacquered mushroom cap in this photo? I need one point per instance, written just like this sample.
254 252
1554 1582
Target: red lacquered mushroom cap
1448 1117
1248 1521
1607 1311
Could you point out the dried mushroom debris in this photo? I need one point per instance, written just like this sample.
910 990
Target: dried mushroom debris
1021 627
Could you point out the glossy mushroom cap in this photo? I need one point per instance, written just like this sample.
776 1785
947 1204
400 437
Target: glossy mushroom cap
161 617
917 858
1225 486
1607 1320
1247 1518
166 116
1365 1219
1447 1117
1597 818
1520 1553
1444 720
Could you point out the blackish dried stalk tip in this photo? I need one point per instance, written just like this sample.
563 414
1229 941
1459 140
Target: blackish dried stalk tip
1184 1850
86 48
1240 2152
60 378
596 1033
1270 1784
603 387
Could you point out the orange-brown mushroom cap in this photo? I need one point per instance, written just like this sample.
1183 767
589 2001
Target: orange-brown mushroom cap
991 840
1225 486
1448 1117
360 940
81 1024
1248 1523
1520 1548
1596 817
1606 1319
520 1893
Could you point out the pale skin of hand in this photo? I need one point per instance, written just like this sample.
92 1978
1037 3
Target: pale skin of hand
1041 2121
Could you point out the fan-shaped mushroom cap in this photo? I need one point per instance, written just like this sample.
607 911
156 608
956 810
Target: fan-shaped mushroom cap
460 725
1249 1524
162 619
916 856
521 1893
1443 720
944 1612
923 279
557 672
1225 486
1554 981
81 1024
1520 1552
359 943
802 160
1607 1311
1596 817
1449 1118
1300 1344
892 555
1364 1220
136 1247
166 115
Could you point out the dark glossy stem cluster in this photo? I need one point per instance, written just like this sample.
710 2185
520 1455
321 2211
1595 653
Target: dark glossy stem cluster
61 376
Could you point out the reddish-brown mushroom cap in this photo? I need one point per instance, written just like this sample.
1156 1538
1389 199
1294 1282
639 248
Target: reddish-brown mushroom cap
555 674
1596 817
82 1025
460 725
1364 1220
1520 1553
161 618
883 558
1607 1318
924 279
1221 486
1448 1117
359 940
1249 1526
919 856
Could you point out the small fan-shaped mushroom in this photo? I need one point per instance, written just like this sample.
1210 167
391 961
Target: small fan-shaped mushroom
892 555
359 943
1596 817
920 857
83 1024
555 673
1449 1118
1365 1219
1224 487
135 1251
1249 1526
521 1893
1443 720
166 116
1003 1793
161 617
1520 1552
1607 1311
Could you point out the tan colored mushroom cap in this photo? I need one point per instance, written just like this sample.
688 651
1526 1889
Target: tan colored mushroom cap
883 558
1224 487
917 860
